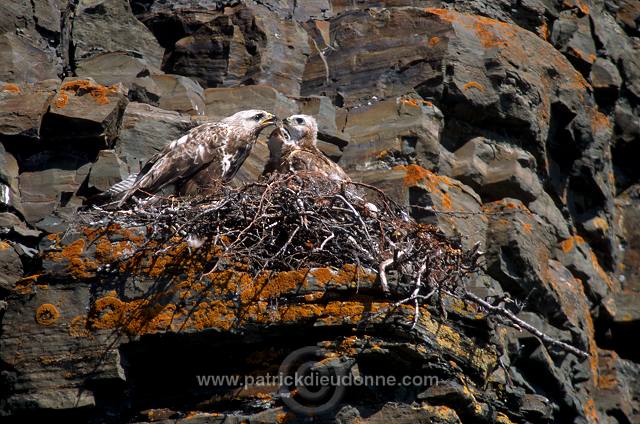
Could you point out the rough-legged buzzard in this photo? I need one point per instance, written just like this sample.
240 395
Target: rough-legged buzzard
207 154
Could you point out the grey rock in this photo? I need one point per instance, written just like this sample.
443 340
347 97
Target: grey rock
627 13
180 94
622 308
11 224
627 123
312 10
631 70
47 14
107 170
405 414
618 392
605 79
169 92
114 67
222 102
146 130
398 131
572 36
511 180
22 108
10 266
21 61
610 35
49 181
219 52
497 171
628 207
537 406
518 257
550 218
48 376
105 26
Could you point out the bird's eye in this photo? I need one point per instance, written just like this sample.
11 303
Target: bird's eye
258 117
299 121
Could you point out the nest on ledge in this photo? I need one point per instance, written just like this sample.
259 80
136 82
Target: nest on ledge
300 221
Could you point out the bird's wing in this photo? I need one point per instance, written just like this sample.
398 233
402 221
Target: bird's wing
181 158
313 160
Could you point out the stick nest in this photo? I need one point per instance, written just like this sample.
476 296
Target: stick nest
301 221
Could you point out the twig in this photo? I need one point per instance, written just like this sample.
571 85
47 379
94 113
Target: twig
523 324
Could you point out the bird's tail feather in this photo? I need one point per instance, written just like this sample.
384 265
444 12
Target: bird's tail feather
115 191
122 186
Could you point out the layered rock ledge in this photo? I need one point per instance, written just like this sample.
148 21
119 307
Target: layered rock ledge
509 125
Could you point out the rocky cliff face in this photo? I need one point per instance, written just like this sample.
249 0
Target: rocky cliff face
515 124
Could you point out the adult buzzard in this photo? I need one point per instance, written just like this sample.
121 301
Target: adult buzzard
207 154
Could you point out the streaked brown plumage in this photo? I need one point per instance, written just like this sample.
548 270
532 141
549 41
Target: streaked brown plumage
206 155
293 149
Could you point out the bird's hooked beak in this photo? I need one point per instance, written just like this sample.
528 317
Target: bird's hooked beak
268 120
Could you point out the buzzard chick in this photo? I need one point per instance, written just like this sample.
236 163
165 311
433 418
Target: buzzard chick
293 148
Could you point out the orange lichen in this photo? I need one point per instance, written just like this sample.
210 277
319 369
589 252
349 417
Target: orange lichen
443 13
62 99
416 175
336 312
27 285
78 327
568 244
268 285
543 31
214 314
600 121
607 378
79 267
284 417
46 314
473 84
382 154
513 44
417 103
345 276
511 205
601 272
107 313
590 410
584 8
490 32
11 88
527 228
593 347
433 41
589 58
81 87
